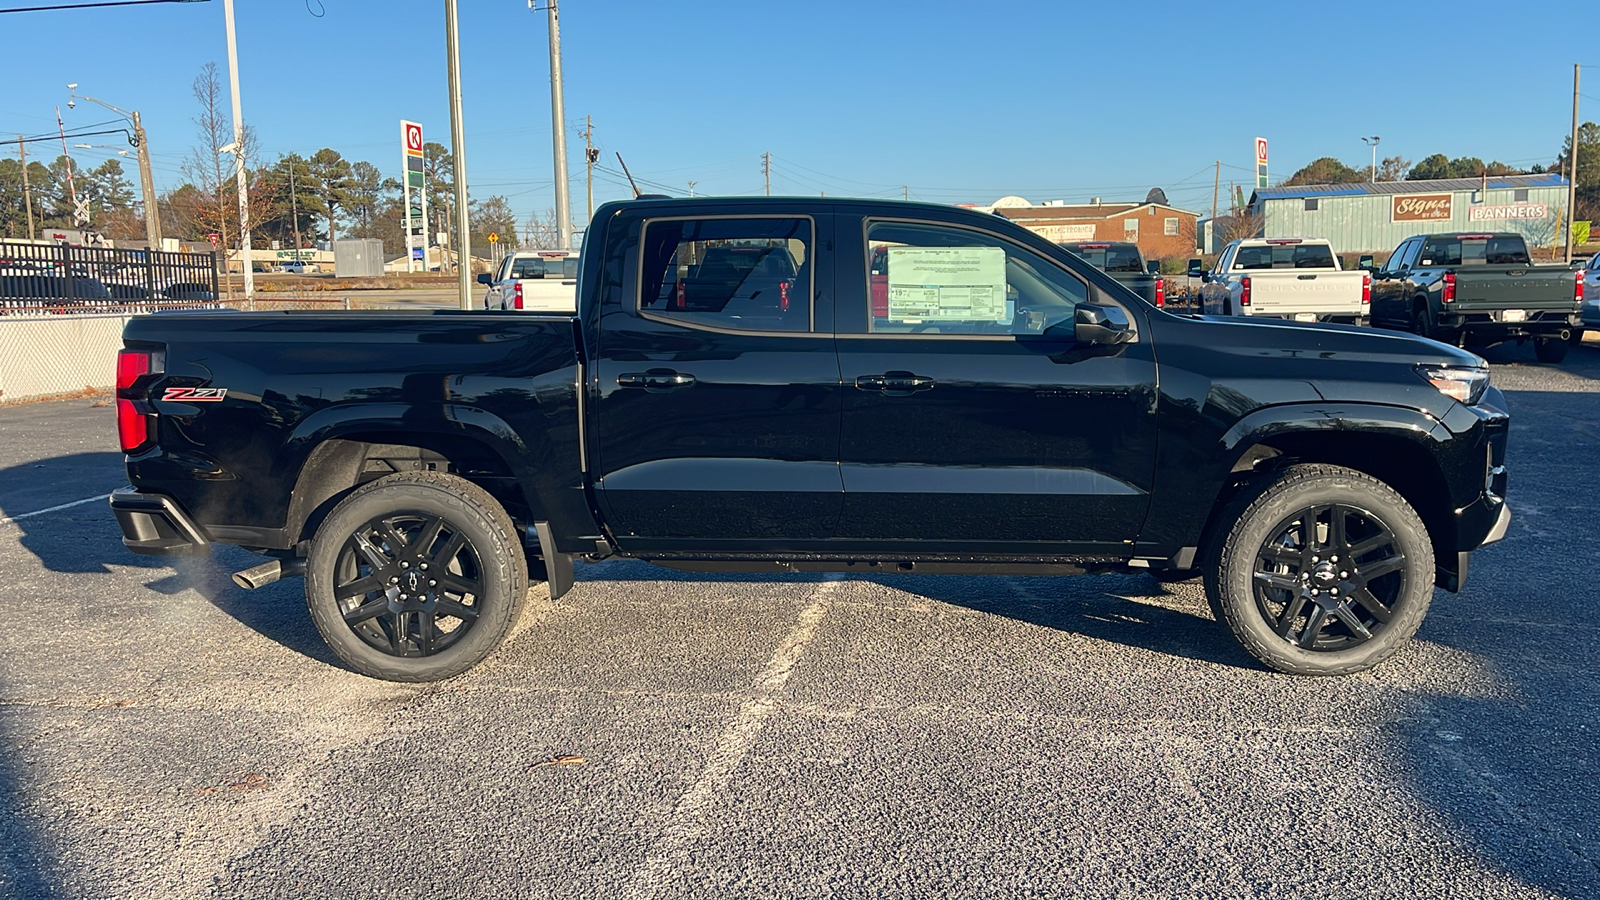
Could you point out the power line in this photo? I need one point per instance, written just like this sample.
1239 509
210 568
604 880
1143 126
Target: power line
95 5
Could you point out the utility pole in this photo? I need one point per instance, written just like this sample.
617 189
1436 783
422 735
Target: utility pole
766 171
1572 165
74 191
691 187
294 210
27 192
245 255
558 131
147 186
590 157
905 192
1216 184
458 140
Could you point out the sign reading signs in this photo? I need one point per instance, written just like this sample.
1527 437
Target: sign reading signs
1512 211
1420 208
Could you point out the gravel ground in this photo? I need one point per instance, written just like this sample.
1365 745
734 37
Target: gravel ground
658 734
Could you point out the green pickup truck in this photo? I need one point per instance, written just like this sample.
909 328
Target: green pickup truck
1126 266
1477 290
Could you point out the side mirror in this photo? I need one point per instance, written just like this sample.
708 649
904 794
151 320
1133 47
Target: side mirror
1096 324
1365 263
1153 267
1196 269
485 278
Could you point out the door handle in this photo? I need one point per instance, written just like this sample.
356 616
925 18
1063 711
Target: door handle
655 380
900 383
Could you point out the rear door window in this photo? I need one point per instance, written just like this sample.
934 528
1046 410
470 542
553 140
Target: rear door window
1285 256
527 267
746 274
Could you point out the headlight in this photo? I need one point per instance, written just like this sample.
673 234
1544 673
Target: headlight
1465 385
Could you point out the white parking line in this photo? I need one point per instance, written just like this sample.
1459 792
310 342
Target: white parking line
687 824
39 512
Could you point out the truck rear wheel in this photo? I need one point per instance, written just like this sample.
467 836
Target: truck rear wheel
1550 349
415 577
1325 571
1422 322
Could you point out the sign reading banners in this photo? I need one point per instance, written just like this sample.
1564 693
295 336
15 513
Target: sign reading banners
1420 208
947 284
1512 211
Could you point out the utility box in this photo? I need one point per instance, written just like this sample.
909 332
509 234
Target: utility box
357 257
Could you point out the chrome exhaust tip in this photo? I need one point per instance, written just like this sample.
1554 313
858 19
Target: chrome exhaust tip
268 572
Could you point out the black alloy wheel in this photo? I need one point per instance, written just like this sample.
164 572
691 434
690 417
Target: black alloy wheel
1329 577
416 576
409 584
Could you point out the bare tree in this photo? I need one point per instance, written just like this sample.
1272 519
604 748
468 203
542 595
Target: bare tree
215 207
540 232
1239 225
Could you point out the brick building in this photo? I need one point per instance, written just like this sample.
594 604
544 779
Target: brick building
1161 231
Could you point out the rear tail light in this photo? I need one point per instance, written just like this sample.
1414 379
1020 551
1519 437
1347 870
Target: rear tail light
783 296
516 300
680 298
1448 294
1244 291
133 412
1577 289
1161 292
1366 290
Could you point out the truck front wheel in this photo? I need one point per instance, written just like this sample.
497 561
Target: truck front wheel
415 577
1325 571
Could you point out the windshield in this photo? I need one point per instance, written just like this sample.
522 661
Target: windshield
1494 250
1285 256
1110 257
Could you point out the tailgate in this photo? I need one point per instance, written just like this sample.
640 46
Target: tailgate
1521 287
1287 293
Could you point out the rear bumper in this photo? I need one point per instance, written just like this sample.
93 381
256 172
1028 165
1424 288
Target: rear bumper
1540 323
156 525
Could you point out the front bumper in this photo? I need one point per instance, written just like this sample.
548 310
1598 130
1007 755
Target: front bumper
156 525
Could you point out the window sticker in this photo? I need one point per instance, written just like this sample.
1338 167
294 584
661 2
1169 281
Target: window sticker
947 284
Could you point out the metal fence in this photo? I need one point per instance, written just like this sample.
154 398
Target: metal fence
54 279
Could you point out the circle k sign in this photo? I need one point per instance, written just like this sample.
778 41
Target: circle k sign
412 133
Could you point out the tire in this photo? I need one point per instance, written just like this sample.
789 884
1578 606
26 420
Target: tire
1577 337
1279 580
1422 321
1551 349
381 547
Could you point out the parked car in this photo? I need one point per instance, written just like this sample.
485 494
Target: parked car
1476 290
297 267
1283 278
1125 264
1016 411
533 280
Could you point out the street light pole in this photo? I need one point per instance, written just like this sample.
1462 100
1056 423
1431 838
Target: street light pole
238 156
1372 142
558 129
458 139
147 185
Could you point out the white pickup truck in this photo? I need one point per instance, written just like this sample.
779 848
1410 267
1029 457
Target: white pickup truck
1284 278
533 280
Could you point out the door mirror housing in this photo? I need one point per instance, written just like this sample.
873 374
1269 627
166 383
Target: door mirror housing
1196 269
1365 263
1153 267
485 278
1093 323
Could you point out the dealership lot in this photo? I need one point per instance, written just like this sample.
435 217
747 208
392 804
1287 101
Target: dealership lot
660 734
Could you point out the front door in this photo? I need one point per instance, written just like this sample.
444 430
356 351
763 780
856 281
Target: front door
971 423
716 388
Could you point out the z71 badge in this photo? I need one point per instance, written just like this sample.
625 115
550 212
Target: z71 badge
195 395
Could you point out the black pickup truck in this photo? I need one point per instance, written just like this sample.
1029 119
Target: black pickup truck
935 391
1126 266
1479 289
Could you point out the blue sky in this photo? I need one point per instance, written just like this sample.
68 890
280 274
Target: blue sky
962 102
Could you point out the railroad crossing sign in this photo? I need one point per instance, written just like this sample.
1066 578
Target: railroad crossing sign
494 237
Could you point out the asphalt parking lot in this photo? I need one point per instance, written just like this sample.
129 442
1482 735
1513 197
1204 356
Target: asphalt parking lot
164 733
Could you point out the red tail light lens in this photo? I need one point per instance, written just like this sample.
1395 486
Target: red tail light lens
1577 289
783 296
1244 291
680 299
1448 293
1366 290
133 424
1161 292
517 299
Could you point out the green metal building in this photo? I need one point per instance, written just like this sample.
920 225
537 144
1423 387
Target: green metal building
1376 217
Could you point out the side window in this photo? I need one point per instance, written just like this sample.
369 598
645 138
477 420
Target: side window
1224 261
1402 256
937 279
747 274
527 267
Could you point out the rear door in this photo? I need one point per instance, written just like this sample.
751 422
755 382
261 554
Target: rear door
716 385
966 427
